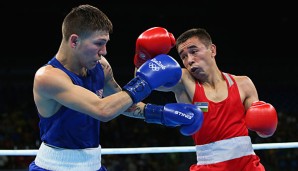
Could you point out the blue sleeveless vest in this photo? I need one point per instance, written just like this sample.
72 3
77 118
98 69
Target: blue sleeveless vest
68 128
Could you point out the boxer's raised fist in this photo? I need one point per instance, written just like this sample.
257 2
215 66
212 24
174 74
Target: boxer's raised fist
153 42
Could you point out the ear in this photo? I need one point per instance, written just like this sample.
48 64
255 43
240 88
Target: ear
73 40
213 50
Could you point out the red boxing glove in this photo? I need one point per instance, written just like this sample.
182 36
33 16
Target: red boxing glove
153 42
262 118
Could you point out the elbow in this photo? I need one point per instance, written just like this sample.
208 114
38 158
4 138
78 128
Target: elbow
105 119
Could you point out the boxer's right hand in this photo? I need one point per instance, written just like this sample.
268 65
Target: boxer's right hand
163 70
153 42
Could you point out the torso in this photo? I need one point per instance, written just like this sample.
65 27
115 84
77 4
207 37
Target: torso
82 131
225 118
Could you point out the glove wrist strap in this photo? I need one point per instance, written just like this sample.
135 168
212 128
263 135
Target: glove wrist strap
138 89
153 113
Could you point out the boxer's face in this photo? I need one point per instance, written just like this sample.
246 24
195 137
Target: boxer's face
195 56
92 48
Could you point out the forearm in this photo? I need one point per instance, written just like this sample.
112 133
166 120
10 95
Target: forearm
135 111
109 107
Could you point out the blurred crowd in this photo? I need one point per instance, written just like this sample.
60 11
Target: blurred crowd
19 130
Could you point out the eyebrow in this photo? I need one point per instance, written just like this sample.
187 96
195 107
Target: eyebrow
188 48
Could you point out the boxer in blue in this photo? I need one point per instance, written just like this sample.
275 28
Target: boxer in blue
76 90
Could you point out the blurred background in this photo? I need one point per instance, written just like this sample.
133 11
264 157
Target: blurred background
257 39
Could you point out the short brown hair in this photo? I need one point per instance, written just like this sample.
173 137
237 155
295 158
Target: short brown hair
85 19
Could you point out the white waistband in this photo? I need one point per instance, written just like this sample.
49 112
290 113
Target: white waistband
224 150
60 159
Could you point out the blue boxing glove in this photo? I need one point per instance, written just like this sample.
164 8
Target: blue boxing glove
188 116
163 70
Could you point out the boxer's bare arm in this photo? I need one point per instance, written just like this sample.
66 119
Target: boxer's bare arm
53 88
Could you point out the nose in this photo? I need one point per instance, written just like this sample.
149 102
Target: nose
102 51
190 60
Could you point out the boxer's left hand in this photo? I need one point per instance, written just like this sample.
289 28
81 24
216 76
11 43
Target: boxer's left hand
188 116
262 118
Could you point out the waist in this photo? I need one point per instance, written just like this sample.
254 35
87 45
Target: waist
53 158
224 150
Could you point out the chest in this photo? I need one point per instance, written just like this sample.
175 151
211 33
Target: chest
217 93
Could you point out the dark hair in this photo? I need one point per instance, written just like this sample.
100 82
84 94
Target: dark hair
84 20
200 33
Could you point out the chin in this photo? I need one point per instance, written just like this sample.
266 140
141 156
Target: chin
198 76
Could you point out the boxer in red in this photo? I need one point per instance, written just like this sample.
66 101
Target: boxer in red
230 105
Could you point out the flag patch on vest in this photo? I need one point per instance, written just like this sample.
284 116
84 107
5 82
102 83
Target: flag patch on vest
202 105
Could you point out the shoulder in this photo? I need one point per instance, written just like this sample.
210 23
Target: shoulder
245 84
242 79
47 76
48 71
247 89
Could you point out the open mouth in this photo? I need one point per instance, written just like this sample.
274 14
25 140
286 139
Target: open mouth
193 69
